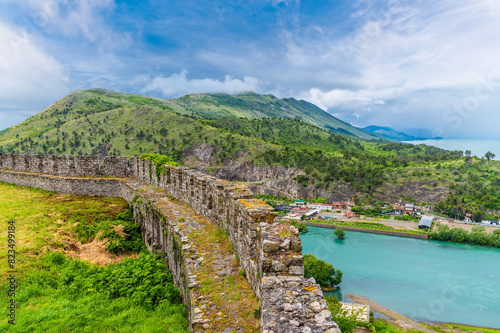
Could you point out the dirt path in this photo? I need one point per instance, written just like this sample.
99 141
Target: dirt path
222 297
400 320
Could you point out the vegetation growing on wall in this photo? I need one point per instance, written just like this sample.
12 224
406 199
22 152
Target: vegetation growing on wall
160 161
347 322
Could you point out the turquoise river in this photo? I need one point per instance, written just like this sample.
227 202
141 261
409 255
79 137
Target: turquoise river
425 280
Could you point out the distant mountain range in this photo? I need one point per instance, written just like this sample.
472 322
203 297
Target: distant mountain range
391 134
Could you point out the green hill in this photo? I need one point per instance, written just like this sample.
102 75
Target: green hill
214 132
83 103
255 106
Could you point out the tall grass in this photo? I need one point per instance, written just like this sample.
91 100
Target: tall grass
58 294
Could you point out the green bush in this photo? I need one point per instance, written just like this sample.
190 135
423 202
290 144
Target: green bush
128 242
347 322
68 295
159 162
323 273
476 236
301 226
339 232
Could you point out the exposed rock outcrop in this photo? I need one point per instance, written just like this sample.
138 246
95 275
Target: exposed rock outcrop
200 154
251 172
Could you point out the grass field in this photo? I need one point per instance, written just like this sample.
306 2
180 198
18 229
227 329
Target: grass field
57 292
368 225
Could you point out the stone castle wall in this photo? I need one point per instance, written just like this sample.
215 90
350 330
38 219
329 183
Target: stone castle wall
270 252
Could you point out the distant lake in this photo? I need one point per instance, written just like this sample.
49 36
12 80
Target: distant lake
476 146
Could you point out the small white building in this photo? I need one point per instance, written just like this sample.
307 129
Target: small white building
319 206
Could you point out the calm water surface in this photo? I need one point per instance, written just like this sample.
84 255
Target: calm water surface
425 280
477 147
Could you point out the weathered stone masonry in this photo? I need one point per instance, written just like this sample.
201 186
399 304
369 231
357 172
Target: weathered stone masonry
271 256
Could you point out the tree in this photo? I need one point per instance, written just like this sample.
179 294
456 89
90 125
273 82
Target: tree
340 233
324 273
489 155
479 215
468 153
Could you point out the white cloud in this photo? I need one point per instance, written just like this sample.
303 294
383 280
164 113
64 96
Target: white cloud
29 77
418 60
178 84
76 19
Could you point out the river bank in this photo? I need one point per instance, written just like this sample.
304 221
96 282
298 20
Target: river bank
431 281
373 231
406 323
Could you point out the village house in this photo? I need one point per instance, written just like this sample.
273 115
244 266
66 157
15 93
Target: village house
319 206
299 210
338 205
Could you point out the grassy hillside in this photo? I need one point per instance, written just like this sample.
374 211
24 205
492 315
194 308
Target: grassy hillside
82 104
58 292
201 130
255 106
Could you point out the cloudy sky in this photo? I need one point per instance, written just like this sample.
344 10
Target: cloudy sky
431 65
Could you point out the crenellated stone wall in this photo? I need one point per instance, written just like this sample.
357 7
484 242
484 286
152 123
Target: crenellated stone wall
270 252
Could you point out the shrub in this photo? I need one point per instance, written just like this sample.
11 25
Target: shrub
476 236
159 161
340 233
347 322
301 226
323 273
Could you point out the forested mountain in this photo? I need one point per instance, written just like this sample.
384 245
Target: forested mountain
218 137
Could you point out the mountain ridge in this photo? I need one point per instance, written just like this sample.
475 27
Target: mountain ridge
391 134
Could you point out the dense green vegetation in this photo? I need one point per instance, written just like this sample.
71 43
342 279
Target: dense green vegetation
159 161
62 295
477 236
238 128
254 106
58 293
475 184
347 322
364 171
340 233
324 273
376 211
122 234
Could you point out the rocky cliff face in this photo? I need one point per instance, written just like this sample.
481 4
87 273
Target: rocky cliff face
287 187
280 187
418 191
251 172
201 154
278 181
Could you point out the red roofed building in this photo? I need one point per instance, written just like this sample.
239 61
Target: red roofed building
299 210
349 214
338 205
